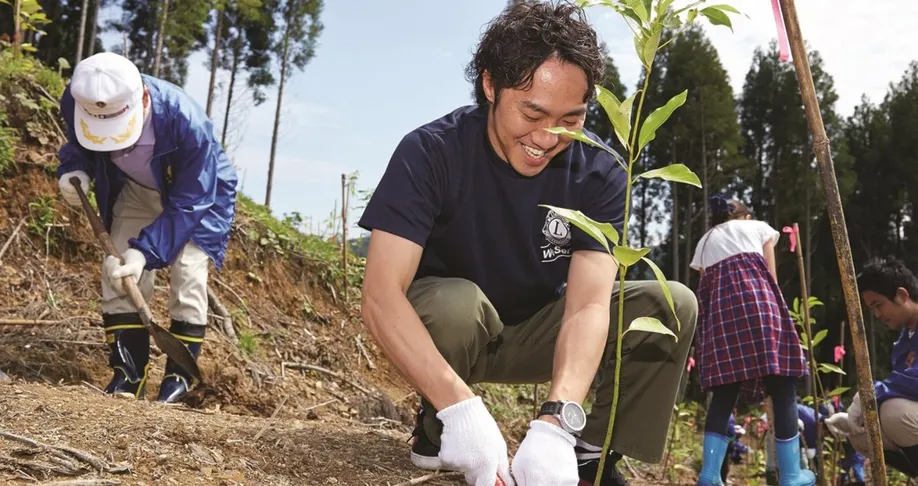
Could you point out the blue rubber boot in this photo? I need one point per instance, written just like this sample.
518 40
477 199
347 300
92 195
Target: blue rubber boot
788 452
715 448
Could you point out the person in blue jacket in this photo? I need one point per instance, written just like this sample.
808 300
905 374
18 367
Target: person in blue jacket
890 291
166 192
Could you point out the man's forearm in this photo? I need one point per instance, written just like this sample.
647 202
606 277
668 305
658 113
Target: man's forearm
578 351
403 338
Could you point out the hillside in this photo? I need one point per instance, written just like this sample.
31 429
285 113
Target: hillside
295 390
289 312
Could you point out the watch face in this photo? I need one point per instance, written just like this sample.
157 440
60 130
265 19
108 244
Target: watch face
574 416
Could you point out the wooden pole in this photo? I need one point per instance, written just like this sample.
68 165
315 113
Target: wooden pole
805 309
344 233
159 38
821 147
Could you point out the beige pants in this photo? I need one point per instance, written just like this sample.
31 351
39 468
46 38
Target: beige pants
468 333
898 426
135 208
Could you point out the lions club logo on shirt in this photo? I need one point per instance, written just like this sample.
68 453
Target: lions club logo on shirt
557 232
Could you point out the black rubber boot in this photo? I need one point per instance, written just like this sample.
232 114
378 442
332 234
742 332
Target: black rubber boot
129 353
177 382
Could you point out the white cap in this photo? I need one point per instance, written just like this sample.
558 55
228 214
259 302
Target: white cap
108 90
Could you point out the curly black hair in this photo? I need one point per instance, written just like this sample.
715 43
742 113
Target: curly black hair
525 35
885 275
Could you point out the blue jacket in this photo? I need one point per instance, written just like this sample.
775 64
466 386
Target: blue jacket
902 381
195 179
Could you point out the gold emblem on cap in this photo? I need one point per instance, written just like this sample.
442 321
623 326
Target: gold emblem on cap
89 136
100 104
127 133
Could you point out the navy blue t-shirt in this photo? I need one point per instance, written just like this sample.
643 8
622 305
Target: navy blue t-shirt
446 189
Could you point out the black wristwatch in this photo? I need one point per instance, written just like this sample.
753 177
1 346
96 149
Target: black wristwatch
569 414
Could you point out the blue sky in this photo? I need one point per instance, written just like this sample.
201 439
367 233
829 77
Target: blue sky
384 68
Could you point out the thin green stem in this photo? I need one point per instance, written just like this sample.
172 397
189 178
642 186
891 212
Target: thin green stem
618 370
621 289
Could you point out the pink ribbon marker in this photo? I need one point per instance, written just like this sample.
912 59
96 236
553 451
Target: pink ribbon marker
783 44
839 352
793 237
691 364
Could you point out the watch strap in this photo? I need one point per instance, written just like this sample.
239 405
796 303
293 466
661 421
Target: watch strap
551 408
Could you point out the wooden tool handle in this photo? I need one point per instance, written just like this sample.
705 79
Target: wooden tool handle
109 247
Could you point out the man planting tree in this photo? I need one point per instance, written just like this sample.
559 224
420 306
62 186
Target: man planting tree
890 291
469 280
166 192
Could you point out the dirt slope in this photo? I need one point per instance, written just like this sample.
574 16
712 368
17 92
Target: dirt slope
176 445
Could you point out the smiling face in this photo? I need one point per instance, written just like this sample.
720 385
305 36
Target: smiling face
518 119
895 313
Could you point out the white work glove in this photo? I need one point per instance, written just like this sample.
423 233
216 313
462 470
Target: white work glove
472 444
856 416
546 457
69 192
839 424
114 271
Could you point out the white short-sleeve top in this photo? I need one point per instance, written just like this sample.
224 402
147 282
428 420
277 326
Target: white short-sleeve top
732 238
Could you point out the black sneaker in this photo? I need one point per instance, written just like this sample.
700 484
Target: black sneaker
424 453
588 466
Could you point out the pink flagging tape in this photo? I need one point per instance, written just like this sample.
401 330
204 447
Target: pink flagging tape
783 43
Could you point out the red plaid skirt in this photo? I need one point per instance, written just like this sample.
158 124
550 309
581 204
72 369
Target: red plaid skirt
744 329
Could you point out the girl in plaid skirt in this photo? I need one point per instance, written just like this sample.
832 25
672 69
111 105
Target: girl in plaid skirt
746 340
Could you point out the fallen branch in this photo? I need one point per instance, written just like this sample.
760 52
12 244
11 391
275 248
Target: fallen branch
10 239
271 419
424 479
224 314
66 453
304 366
634 472
312 407
39 467
242 303
29 322
363 351
84 482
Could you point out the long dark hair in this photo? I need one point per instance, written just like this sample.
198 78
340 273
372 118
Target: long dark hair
724 209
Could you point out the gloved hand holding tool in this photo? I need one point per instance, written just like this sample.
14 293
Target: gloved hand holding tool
128 271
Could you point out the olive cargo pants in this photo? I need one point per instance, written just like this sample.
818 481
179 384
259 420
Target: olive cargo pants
468 332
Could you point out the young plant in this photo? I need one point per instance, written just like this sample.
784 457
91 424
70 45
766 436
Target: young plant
647 20
27 15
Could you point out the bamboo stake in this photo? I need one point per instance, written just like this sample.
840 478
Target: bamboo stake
840 239
344 234
814 389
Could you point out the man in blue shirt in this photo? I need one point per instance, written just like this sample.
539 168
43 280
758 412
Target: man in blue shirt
166 193
469 280
890 291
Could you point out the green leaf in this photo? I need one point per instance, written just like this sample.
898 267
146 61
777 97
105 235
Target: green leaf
819 337
674 173
649 324
797 305
583 222
664 285
838 391
717 17
830 368
629 256
726 8
614 110
649 46
691 16
659 116
577 135
663 5
640 10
